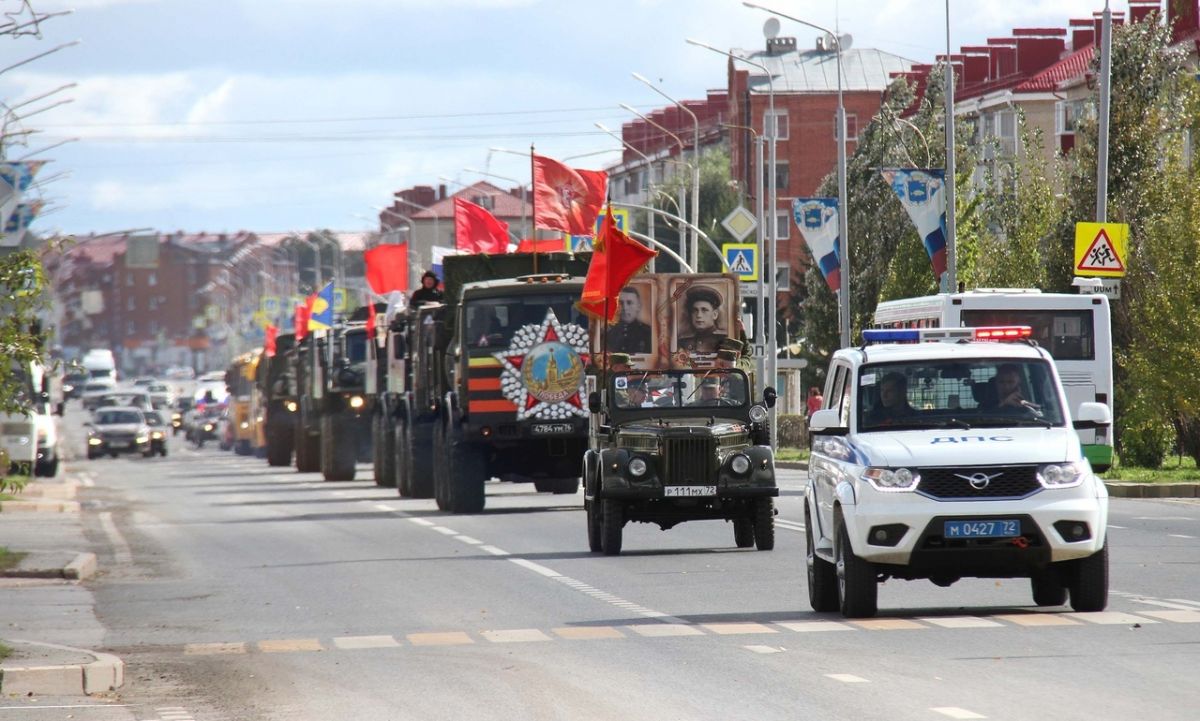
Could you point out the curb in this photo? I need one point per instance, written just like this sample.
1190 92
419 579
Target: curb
39 507
80 568
105 673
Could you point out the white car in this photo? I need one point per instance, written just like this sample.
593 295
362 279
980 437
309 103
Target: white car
944 460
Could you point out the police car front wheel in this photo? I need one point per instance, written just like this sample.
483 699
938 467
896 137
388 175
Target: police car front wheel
858 591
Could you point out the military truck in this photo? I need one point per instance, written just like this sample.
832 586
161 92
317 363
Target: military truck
335 411
496 381
386 380
302 361
669 446
276 387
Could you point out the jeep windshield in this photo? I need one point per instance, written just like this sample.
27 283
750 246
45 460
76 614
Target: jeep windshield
977 393
717 387
491 322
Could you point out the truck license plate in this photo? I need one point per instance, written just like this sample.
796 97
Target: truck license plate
549 429
983 529
689 491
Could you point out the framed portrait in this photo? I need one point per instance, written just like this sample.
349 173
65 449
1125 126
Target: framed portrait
704 309
635 331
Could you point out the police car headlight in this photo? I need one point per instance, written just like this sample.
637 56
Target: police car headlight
739 464
291 406
892 480
1061 475
758 414
357 402
638 467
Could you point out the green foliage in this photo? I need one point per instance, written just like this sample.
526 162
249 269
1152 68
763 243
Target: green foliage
1146 437
21 279
717 198
792 430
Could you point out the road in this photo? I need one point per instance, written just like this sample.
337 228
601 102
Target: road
235 591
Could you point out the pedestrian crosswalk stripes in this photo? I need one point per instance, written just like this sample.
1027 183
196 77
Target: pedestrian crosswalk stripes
683 629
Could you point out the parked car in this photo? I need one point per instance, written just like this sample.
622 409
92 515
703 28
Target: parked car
118 429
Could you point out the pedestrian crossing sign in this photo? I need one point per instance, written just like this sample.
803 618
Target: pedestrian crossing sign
1101 248
585 243
742 260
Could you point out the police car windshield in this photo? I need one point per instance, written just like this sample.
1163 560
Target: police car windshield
976 393
491 322
718 387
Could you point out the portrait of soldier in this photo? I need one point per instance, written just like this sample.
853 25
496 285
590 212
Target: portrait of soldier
630 334
702 308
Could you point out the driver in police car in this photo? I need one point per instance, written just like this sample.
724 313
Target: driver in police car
893 401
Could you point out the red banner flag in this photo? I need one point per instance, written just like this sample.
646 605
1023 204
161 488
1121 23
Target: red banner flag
553 245
370 317
269 334
478 231
565 198
616 259
387 268
303 313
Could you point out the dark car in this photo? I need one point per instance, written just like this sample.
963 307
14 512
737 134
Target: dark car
158 431
114 430
679 445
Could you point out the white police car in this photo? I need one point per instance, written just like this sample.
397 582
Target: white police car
952 459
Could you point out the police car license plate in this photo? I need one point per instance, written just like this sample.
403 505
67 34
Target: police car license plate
548 429
1004 528
689 491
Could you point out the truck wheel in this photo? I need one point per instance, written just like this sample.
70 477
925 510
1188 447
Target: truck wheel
441 472
403 478
467 476
308 451
558 486
612 521
419 437
858 592
1089 582
822 576
1048 588
384 453
764 524
743 532
591 509
338 453
279 448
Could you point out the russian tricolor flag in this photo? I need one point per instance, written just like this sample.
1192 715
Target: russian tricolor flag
817 219
922 192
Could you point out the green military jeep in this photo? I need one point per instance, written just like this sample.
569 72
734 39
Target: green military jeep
679 445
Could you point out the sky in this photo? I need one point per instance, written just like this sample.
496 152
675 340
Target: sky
282 115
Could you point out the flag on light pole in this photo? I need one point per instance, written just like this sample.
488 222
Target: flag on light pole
922 192
817 219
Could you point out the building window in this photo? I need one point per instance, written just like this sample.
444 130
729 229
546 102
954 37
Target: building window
152 304
131 328
128 280
783 224
782 176
191 275
780 126
783 277
151 279
131 303
851 127
631 182
1067 114
999 128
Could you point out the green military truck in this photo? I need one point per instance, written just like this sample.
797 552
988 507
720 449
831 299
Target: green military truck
276 387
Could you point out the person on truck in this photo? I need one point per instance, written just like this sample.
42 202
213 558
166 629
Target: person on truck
428 292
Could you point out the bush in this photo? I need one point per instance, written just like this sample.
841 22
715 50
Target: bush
792 431
1146 437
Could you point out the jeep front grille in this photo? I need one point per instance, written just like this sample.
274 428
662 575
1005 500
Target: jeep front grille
689 460
954 484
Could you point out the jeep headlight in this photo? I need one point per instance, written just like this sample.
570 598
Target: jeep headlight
1062 475
291 406
638 467
891 480
739 464
758 414
357 402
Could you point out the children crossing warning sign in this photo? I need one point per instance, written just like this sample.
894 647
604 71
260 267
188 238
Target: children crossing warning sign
1100 249
742 259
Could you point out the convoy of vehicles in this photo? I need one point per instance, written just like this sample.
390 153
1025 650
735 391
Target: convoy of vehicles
944 460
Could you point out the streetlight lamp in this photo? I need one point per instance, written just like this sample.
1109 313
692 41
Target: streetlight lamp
695 245
843 211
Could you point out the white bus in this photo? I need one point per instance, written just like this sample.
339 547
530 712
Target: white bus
1075 329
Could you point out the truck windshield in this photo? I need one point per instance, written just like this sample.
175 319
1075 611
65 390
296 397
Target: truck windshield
680 389
977 393
356 347
491 322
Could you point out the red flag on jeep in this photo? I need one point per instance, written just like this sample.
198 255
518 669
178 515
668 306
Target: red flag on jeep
615 260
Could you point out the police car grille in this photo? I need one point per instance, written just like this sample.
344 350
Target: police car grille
952 483
689 460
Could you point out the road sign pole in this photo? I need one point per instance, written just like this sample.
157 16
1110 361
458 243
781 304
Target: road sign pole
760 317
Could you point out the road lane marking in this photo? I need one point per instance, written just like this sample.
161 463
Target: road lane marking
1110 618
121 550
516 635
1123 528
587 633
1175 616
956 712
445 531
422 522
810 626
384 507
846 678
213 649
468 540
961 622
765 649
358 642
1164 604
292 645
732 629
535 567
790 525
887 624
495 551
660 630
1036 619
1180 535
1185 601
446 638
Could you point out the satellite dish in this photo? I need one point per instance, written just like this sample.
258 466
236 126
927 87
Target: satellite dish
771 28
845 41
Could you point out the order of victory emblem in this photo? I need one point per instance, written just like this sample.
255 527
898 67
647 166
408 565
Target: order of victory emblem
543 369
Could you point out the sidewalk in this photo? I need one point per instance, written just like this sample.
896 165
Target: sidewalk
48 614
1116 489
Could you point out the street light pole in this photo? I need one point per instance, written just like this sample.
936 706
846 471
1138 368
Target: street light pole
843 220
695 244
951 218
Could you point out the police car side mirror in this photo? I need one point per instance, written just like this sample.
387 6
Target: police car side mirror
825 422
1092 416
594 402
769 396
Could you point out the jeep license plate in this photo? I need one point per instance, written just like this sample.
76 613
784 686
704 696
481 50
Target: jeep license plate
983 529
550 429
689 491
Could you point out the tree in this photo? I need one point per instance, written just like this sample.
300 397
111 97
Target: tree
21 283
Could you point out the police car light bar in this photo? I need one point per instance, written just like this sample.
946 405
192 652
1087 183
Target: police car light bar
928 335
